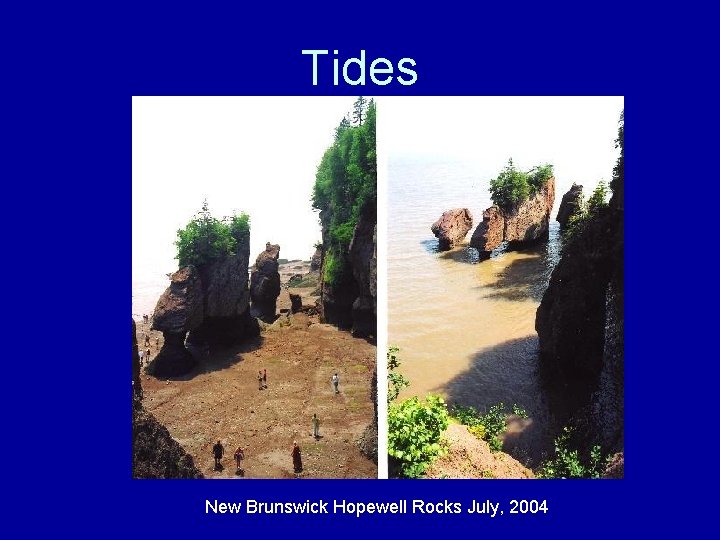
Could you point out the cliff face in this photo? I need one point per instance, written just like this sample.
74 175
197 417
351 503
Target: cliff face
523 224
155 453
363 257
350 302
580 323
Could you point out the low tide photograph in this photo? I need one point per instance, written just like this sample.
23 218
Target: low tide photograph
505 287
254 287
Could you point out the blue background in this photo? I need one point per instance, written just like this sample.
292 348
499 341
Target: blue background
71 72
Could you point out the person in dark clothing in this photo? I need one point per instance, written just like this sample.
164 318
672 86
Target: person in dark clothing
218 451
297 458
265 378
260 380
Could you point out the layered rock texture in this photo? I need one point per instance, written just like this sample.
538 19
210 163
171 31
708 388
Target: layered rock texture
316 260
368 442
570 203
265 284
179 310
524 224
580 322
452 227
155 453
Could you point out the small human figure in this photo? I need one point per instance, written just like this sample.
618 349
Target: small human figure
265 378
260 380
239 456
297 458
157 342
147 340
140 354
336 382
316 426
147 354
218 451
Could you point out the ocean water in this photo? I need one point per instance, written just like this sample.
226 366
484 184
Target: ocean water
465 328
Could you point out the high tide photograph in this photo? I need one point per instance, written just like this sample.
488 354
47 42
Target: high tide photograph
254 287
505 287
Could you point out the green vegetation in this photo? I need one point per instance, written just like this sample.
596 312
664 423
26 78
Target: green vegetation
414 429
206 239
396 382
345 182
585 212
488 426
567 462
513 186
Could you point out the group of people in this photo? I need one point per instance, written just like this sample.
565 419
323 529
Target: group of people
218 450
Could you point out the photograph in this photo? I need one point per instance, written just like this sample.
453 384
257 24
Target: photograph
505 286
254 287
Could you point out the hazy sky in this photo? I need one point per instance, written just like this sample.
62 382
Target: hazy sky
575 134
253 154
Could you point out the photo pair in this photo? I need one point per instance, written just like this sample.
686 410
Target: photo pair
391 287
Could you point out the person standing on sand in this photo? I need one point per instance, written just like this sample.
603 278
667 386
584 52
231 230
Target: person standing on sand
265 378
157 343
316 426
147 340
297 458
260 380
218 451
239 456
141 354
336 382
147 355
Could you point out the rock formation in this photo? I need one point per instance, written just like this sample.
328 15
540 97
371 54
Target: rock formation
295 303
569 204
616 468
179 310
452 227
363 257
265 284
226 301
489 233
316 260
580 321
524 224
368 442
155 453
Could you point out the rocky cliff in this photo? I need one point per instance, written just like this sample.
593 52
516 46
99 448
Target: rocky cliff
350 302
521 225
265 284
570 204
580 321
452 227
155 454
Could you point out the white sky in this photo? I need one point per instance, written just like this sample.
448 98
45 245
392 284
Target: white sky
575 134
253 154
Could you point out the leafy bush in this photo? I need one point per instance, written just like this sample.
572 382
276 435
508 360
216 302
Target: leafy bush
488 426
396 382
567 462
414 430
206 239
513 186
335 268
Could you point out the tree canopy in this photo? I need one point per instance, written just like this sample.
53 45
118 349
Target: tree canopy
513 186
345 182
206 239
